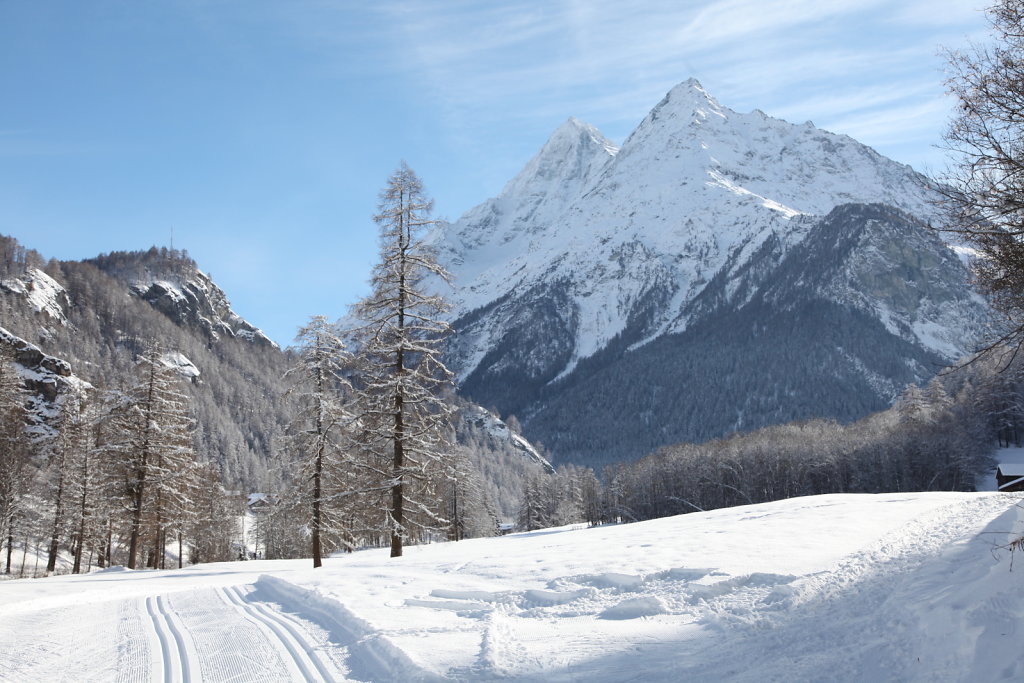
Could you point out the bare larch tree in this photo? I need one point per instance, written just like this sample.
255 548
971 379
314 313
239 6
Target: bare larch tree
404 416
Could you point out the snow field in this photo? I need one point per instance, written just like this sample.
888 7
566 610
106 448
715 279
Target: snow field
608 603
840 587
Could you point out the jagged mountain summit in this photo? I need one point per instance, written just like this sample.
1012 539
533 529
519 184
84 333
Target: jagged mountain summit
595 252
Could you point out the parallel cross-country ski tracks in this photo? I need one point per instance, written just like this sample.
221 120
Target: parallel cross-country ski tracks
222 635
288 632
175 657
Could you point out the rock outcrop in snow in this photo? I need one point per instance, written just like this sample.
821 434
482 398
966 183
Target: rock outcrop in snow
48 380
171 282
198 302
496 428
42 292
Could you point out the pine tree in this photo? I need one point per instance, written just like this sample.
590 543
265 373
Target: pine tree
214 527
68 448
404 417
90 486
468 508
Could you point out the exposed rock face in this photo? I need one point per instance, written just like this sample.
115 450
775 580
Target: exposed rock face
48 380
41 292
496 428
600 271
172 283
199 303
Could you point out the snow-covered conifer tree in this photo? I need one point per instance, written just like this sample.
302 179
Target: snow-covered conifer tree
66 450
324 417
214 525
404 417
92 484
14 449
159 451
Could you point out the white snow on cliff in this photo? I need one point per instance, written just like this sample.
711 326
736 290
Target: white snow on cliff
180 363
43 293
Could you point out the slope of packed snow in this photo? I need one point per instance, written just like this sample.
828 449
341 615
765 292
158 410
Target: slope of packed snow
840 587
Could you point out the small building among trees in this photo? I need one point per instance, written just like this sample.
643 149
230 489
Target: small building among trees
1010 476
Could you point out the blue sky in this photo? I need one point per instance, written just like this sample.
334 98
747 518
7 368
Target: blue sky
261 132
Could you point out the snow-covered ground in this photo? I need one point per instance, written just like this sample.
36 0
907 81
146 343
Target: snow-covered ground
839 587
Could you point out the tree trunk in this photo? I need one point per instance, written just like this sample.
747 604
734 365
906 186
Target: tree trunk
24 556
317 491
318 468
133 545
51 561
397 492
81 540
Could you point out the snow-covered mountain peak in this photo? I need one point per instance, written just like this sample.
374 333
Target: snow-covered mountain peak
689 137
525 216
693 186
573 152
688 99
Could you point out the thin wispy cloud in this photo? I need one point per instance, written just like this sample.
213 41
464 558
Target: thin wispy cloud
802 58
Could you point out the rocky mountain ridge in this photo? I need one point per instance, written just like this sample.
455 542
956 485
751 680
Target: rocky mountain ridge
182 292
594 252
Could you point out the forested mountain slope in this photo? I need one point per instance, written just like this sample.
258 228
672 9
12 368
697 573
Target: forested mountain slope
97 316
76 325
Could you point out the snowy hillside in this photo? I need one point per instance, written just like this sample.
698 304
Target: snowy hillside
908 587
593 252
692 184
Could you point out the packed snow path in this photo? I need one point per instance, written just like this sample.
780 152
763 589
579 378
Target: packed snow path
197 634
892 587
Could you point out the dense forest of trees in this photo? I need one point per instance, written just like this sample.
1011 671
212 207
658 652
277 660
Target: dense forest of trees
115 481
939 438
238 399
124 471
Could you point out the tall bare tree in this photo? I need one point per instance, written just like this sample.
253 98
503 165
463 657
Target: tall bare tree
68 448
404 416
984 187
